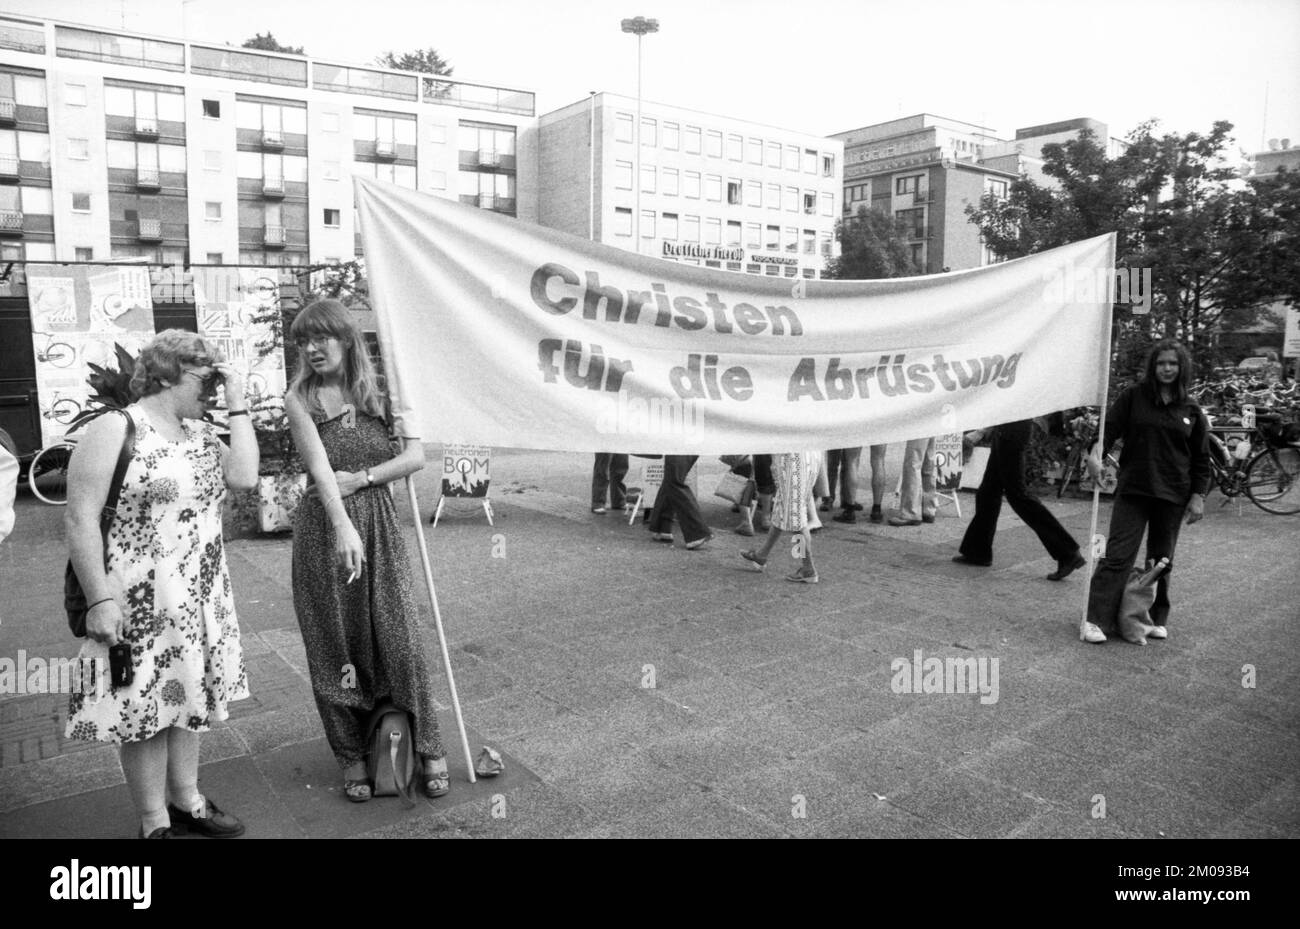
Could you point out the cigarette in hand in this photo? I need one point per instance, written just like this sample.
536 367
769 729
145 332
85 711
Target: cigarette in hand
352 576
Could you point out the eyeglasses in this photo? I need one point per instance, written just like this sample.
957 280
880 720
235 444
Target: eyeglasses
210 381
318 341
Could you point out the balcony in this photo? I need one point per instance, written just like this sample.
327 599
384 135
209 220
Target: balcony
147 179
11 222
273 188
489 159
921 197
146 128
272 140
919 232
274 237
8 111
385 148
8 168
150 230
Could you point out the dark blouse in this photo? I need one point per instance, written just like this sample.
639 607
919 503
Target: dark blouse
1166 446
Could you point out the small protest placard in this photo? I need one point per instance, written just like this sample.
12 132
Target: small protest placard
465 470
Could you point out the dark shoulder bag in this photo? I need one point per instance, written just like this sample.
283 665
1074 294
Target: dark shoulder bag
74 597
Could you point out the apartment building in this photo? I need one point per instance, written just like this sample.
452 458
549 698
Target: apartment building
702 189
119 145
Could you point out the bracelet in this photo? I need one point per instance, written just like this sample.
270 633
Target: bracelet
233 413
97 603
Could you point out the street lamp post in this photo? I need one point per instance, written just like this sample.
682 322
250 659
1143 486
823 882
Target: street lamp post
639 26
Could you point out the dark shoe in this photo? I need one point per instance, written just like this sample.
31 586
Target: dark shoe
212 823
826 504
876 515
693 545
803 576
162 832
857 507
436 779
752 557
1067 567
848 516
662 537
962 559
899 521
927 519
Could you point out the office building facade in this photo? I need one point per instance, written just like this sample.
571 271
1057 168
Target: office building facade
703 189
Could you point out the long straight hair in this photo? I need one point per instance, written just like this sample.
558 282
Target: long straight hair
330 318
1183 384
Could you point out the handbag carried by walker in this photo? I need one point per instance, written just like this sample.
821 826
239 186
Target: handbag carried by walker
391 763
739 490
74 597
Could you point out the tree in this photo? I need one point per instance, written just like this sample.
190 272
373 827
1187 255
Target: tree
424 60
1216 252
873 244
267 43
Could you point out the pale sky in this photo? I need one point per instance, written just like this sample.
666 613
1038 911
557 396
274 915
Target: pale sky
817 66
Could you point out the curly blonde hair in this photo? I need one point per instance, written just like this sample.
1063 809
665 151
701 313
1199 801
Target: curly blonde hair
160 363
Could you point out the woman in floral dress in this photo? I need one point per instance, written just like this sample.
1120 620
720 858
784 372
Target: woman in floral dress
793 511
352 584
166 592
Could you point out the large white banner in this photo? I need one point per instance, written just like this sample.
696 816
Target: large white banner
501 333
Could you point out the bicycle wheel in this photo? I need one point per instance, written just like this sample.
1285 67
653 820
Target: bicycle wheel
1272 480
47 475
60 354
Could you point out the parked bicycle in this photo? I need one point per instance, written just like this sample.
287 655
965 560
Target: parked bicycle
1268 473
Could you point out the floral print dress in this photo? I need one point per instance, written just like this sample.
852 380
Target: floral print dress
165 549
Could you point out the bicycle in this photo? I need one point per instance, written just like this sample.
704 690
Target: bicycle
59 354
1270 477
63 410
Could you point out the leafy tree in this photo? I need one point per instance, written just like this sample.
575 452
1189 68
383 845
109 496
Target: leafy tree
424 60
267 43
873 244
1217 252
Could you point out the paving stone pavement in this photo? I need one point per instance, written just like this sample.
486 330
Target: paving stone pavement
640 689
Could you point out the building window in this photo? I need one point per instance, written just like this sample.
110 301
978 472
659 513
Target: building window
790 241
908 185
918 256
647 224
753 236
772 242
623 175
670 178
331 218
622 221
753 269
692 146
826 240
915 220
828 204
81 203
809 273
828 165
79 149
996 187
215 258
623 128
733 234
754 151
712 230
692 185
809 161
810 202
212 109
774 196
790 201
809 242
671 136
792 158
774 154
735 148
733 191
649 132
753 193
76 95
647 179
690 229
212 211
84 254
772 270
713 144
791 271
712 187
669 230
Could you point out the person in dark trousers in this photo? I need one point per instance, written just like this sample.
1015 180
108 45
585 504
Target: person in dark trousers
1164 474
607 476
1005 476
675 498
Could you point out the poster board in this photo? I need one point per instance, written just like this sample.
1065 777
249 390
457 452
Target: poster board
78 313
237 309
466 471
947 462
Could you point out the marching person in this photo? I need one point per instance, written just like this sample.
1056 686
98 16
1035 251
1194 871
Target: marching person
166 591
352 585
793 510
676 499
1164 474
607 477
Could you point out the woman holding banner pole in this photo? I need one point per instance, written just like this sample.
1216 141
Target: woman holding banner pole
352 585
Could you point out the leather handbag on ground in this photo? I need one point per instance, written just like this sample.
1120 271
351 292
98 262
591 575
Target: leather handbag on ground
74 597
391 764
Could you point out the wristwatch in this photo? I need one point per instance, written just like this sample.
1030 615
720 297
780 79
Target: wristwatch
370 478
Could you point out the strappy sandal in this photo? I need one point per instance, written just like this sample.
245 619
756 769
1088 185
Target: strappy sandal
437 781
357 791
803 576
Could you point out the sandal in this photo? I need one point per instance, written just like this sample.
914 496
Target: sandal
751 556
437 782
803 576
357 791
